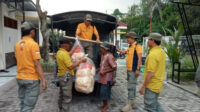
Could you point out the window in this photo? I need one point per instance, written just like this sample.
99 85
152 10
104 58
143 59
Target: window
11 23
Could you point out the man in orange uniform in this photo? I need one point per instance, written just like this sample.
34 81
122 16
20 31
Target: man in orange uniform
85 31
133 62
29 70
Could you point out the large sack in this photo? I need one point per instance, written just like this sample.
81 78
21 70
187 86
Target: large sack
78 52
85 77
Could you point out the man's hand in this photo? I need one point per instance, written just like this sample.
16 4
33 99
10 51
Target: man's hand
102 72
142 90
98 41
98 69
44 85
137 73
83 60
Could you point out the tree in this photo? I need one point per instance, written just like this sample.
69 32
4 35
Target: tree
44 31
117 14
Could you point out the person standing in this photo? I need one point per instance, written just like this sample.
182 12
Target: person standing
133 62
29 70
154 74
107 68
85 30
65 73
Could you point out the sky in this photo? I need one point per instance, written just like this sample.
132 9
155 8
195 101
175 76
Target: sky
104 6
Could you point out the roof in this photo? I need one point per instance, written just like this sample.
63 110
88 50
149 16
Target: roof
187 2
28 4
121 24
68 21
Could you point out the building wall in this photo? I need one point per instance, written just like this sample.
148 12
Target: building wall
1 40
8 36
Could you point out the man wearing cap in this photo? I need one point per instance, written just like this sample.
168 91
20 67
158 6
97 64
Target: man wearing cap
85 31
154 74
65 74
133 62
29 70
107 68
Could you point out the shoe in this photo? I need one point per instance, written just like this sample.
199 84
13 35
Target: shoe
127 107
197 91
133 105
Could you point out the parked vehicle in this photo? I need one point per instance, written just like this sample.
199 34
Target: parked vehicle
104 23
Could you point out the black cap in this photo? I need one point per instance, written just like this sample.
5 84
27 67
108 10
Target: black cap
64 41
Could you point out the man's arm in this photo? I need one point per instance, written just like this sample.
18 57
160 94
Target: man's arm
121 51
137 72
40 73
148 79
78 31
96 34
112 63
139 60
146 82
74 65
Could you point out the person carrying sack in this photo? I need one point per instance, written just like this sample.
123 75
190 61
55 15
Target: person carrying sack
65 73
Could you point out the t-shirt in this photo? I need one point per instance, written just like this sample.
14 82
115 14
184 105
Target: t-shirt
132 56
63 62
26 51
86 32
155 62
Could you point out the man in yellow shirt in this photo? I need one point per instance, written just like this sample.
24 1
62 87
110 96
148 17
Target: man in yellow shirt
65 74
29 70
133 62
85 31
154 74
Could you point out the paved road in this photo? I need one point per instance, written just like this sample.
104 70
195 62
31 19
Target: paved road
172 99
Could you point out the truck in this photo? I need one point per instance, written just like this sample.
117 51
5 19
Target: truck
105 24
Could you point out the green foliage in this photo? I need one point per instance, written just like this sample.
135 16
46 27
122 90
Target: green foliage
117 14
47 66
186 63
173 50
54 38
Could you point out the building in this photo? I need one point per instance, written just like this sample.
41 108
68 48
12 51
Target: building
121 26
12 14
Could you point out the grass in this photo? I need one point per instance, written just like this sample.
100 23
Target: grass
186 63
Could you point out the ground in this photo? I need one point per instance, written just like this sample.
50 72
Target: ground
172 98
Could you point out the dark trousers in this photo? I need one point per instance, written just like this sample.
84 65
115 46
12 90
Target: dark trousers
65 93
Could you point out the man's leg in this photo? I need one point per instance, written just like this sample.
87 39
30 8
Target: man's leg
60 97
66 97
132 81
151 101
31 94
90 50
21 92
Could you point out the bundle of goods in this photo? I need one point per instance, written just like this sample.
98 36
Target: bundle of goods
85 77
77 52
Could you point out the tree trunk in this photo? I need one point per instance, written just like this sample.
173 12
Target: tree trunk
44 31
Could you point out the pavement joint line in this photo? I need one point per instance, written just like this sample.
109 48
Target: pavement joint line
171 83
